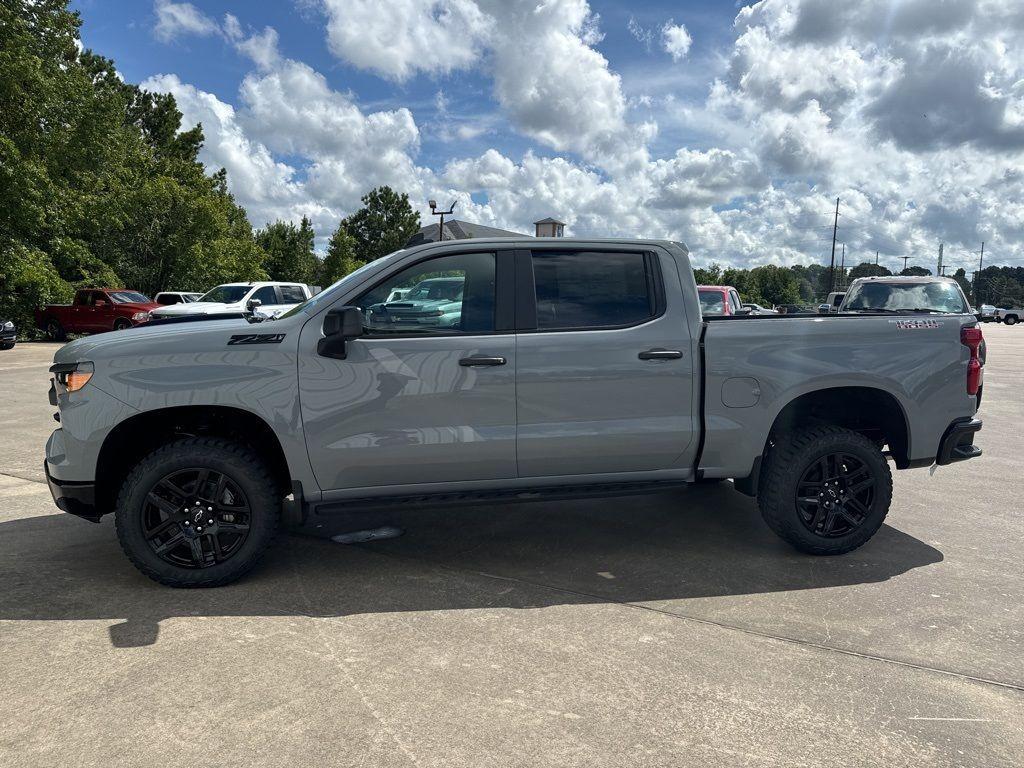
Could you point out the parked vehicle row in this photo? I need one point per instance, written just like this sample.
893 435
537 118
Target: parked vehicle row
527 369
94 310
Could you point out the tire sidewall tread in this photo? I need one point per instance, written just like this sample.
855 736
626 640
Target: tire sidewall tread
783 467
244 467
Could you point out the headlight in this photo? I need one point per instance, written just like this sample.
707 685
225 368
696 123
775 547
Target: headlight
72 376
140 317
8 326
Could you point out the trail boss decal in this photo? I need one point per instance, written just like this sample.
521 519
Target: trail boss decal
916 325
256 338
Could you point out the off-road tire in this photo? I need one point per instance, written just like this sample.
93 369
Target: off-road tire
791 455
242 465
7 345
55 331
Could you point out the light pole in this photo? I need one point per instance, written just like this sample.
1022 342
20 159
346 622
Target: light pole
442 214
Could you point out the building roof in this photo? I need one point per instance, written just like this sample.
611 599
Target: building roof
458 230
549 220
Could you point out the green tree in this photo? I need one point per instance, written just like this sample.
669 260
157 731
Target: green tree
289 251
961 277
383 225
98 183
709 275
775 285
340 258
867 269
916 272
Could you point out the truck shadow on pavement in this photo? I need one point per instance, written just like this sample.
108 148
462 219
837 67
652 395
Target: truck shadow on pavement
691 543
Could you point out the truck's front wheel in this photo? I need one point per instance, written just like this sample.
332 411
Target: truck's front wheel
825 490
198 512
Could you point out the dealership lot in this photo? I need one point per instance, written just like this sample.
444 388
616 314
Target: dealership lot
665 630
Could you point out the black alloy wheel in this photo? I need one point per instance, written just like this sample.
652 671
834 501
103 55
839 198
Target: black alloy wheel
835 495
195 518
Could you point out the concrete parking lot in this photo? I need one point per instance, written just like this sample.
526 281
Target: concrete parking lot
672 630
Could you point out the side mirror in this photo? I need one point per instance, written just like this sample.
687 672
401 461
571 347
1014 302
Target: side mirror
824 309
340 325
744 311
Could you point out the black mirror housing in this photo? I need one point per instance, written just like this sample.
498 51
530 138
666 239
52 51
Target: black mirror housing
340 325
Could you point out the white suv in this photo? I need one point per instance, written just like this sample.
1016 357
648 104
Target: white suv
274 298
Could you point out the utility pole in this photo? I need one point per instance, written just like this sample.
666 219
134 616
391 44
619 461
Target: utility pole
876 258
939 270
832 264
905 260
977 275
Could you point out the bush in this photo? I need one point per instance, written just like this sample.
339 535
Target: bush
28 280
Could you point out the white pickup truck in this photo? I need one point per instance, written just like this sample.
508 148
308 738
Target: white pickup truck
233 298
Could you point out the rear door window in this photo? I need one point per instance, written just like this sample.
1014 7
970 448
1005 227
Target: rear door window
592 289
291 294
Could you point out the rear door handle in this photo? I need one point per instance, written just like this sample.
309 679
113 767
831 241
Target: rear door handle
660 354
476 360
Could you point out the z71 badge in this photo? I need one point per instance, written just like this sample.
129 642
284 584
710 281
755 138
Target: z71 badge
916 325
256 338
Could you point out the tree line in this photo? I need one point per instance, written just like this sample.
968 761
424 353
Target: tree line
100 187
810 284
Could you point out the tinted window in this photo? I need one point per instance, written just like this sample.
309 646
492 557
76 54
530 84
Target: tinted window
265 296
291 294
591 290
168 298
449 294
711 302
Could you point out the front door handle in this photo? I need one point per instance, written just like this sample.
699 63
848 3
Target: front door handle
476 360
660 354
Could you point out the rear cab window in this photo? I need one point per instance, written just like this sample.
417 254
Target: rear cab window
936 296
292 294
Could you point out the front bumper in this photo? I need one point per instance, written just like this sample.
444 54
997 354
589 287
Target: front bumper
957 443
75 498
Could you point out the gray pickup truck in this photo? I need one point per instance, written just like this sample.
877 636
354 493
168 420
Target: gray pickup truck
573 368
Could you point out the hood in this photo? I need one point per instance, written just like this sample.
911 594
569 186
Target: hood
173 338
196 308
139 306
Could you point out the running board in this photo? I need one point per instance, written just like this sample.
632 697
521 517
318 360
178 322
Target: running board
550 493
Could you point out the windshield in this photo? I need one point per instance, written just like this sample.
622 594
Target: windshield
352 278
437 289
128 297
711 302
226 294
895 297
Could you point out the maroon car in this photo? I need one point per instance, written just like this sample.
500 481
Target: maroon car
94 310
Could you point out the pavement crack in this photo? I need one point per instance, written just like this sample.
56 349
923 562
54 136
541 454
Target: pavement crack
16 476
720 624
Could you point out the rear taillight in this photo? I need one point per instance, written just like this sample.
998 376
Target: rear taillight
971 338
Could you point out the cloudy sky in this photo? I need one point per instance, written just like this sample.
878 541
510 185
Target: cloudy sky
732 127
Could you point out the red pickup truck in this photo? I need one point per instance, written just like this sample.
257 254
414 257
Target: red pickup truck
95 309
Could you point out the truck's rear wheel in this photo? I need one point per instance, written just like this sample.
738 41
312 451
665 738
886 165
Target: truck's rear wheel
825 490
198 512
54 330
1011 320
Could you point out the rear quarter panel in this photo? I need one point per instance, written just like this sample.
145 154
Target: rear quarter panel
922 364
